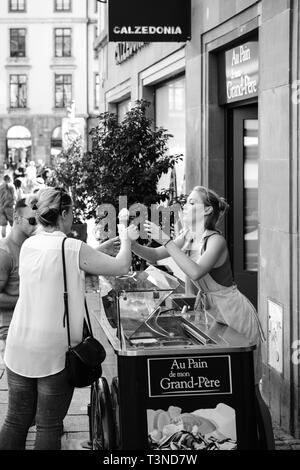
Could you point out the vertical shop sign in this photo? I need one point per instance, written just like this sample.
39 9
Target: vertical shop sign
242 73
149 21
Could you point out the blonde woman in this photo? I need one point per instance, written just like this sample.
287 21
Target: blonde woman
37 340
201 252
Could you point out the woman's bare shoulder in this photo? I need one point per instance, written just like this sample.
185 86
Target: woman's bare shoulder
216 240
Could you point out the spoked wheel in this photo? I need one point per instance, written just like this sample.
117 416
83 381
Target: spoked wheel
116 409
102 423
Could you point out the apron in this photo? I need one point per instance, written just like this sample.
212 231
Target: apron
229 306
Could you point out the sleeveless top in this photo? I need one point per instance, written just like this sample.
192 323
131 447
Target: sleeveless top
222 274
225 303
37 340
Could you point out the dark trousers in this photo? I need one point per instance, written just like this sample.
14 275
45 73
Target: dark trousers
45 398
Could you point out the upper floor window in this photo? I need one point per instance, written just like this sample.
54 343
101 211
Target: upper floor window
102 20
17 5
63 90
62 42
97 91
17 42
18 91
62 5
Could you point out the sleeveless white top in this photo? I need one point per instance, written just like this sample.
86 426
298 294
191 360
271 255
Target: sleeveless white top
37 341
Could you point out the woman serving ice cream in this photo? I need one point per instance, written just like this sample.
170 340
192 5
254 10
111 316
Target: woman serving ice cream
201 252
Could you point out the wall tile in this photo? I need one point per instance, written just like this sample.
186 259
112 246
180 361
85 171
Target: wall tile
274 123
274 183
274 43
270 8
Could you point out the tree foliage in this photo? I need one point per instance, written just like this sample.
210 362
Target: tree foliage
127 159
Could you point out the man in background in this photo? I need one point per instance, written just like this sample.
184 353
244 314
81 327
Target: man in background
24 224
7 201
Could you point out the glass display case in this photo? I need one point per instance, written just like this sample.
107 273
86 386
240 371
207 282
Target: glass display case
149 310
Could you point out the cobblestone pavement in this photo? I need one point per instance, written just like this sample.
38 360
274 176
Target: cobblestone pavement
76 425
284 441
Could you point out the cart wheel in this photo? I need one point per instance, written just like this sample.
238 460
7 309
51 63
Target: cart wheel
266 439
116 408
102 424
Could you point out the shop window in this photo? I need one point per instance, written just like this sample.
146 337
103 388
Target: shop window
17 5
102 19
62 42
97 91
62 5
170 114
17 42
122 108
250 194
63 90
18 91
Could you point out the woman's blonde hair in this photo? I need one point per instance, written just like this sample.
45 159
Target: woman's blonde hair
49 204
219 206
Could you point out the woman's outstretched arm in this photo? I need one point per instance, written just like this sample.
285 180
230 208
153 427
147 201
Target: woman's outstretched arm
94 262
216 250
154 254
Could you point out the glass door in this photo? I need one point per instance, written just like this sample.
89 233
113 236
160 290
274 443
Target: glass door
243 195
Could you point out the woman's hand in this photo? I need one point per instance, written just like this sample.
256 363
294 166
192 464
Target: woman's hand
128 233
155 232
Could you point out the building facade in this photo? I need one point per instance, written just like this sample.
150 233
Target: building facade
231 98
46 62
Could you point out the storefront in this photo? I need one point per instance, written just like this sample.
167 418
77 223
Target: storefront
241 138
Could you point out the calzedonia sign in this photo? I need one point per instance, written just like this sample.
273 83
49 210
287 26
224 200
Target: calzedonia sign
242 73
149 20
184 376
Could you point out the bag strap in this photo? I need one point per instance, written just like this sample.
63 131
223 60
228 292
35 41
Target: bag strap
66 312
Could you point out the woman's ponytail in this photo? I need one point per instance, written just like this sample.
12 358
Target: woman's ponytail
223 206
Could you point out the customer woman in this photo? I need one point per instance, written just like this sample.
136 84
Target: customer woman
37 340
202 254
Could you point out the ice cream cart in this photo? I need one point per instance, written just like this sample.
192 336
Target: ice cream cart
182 381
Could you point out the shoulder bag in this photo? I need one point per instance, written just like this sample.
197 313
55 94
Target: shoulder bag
83 361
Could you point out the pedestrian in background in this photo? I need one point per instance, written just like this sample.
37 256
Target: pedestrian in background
30 175
7 201
19 190
37 339
23 226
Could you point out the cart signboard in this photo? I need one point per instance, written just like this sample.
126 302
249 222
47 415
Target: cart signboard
183 376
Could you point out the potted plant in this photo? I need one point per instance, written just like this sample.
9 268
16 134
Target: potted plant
127 159
131 157
70 173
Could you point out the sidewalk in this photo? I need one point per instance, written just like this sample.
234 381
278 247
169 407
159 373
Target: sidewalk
76 423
